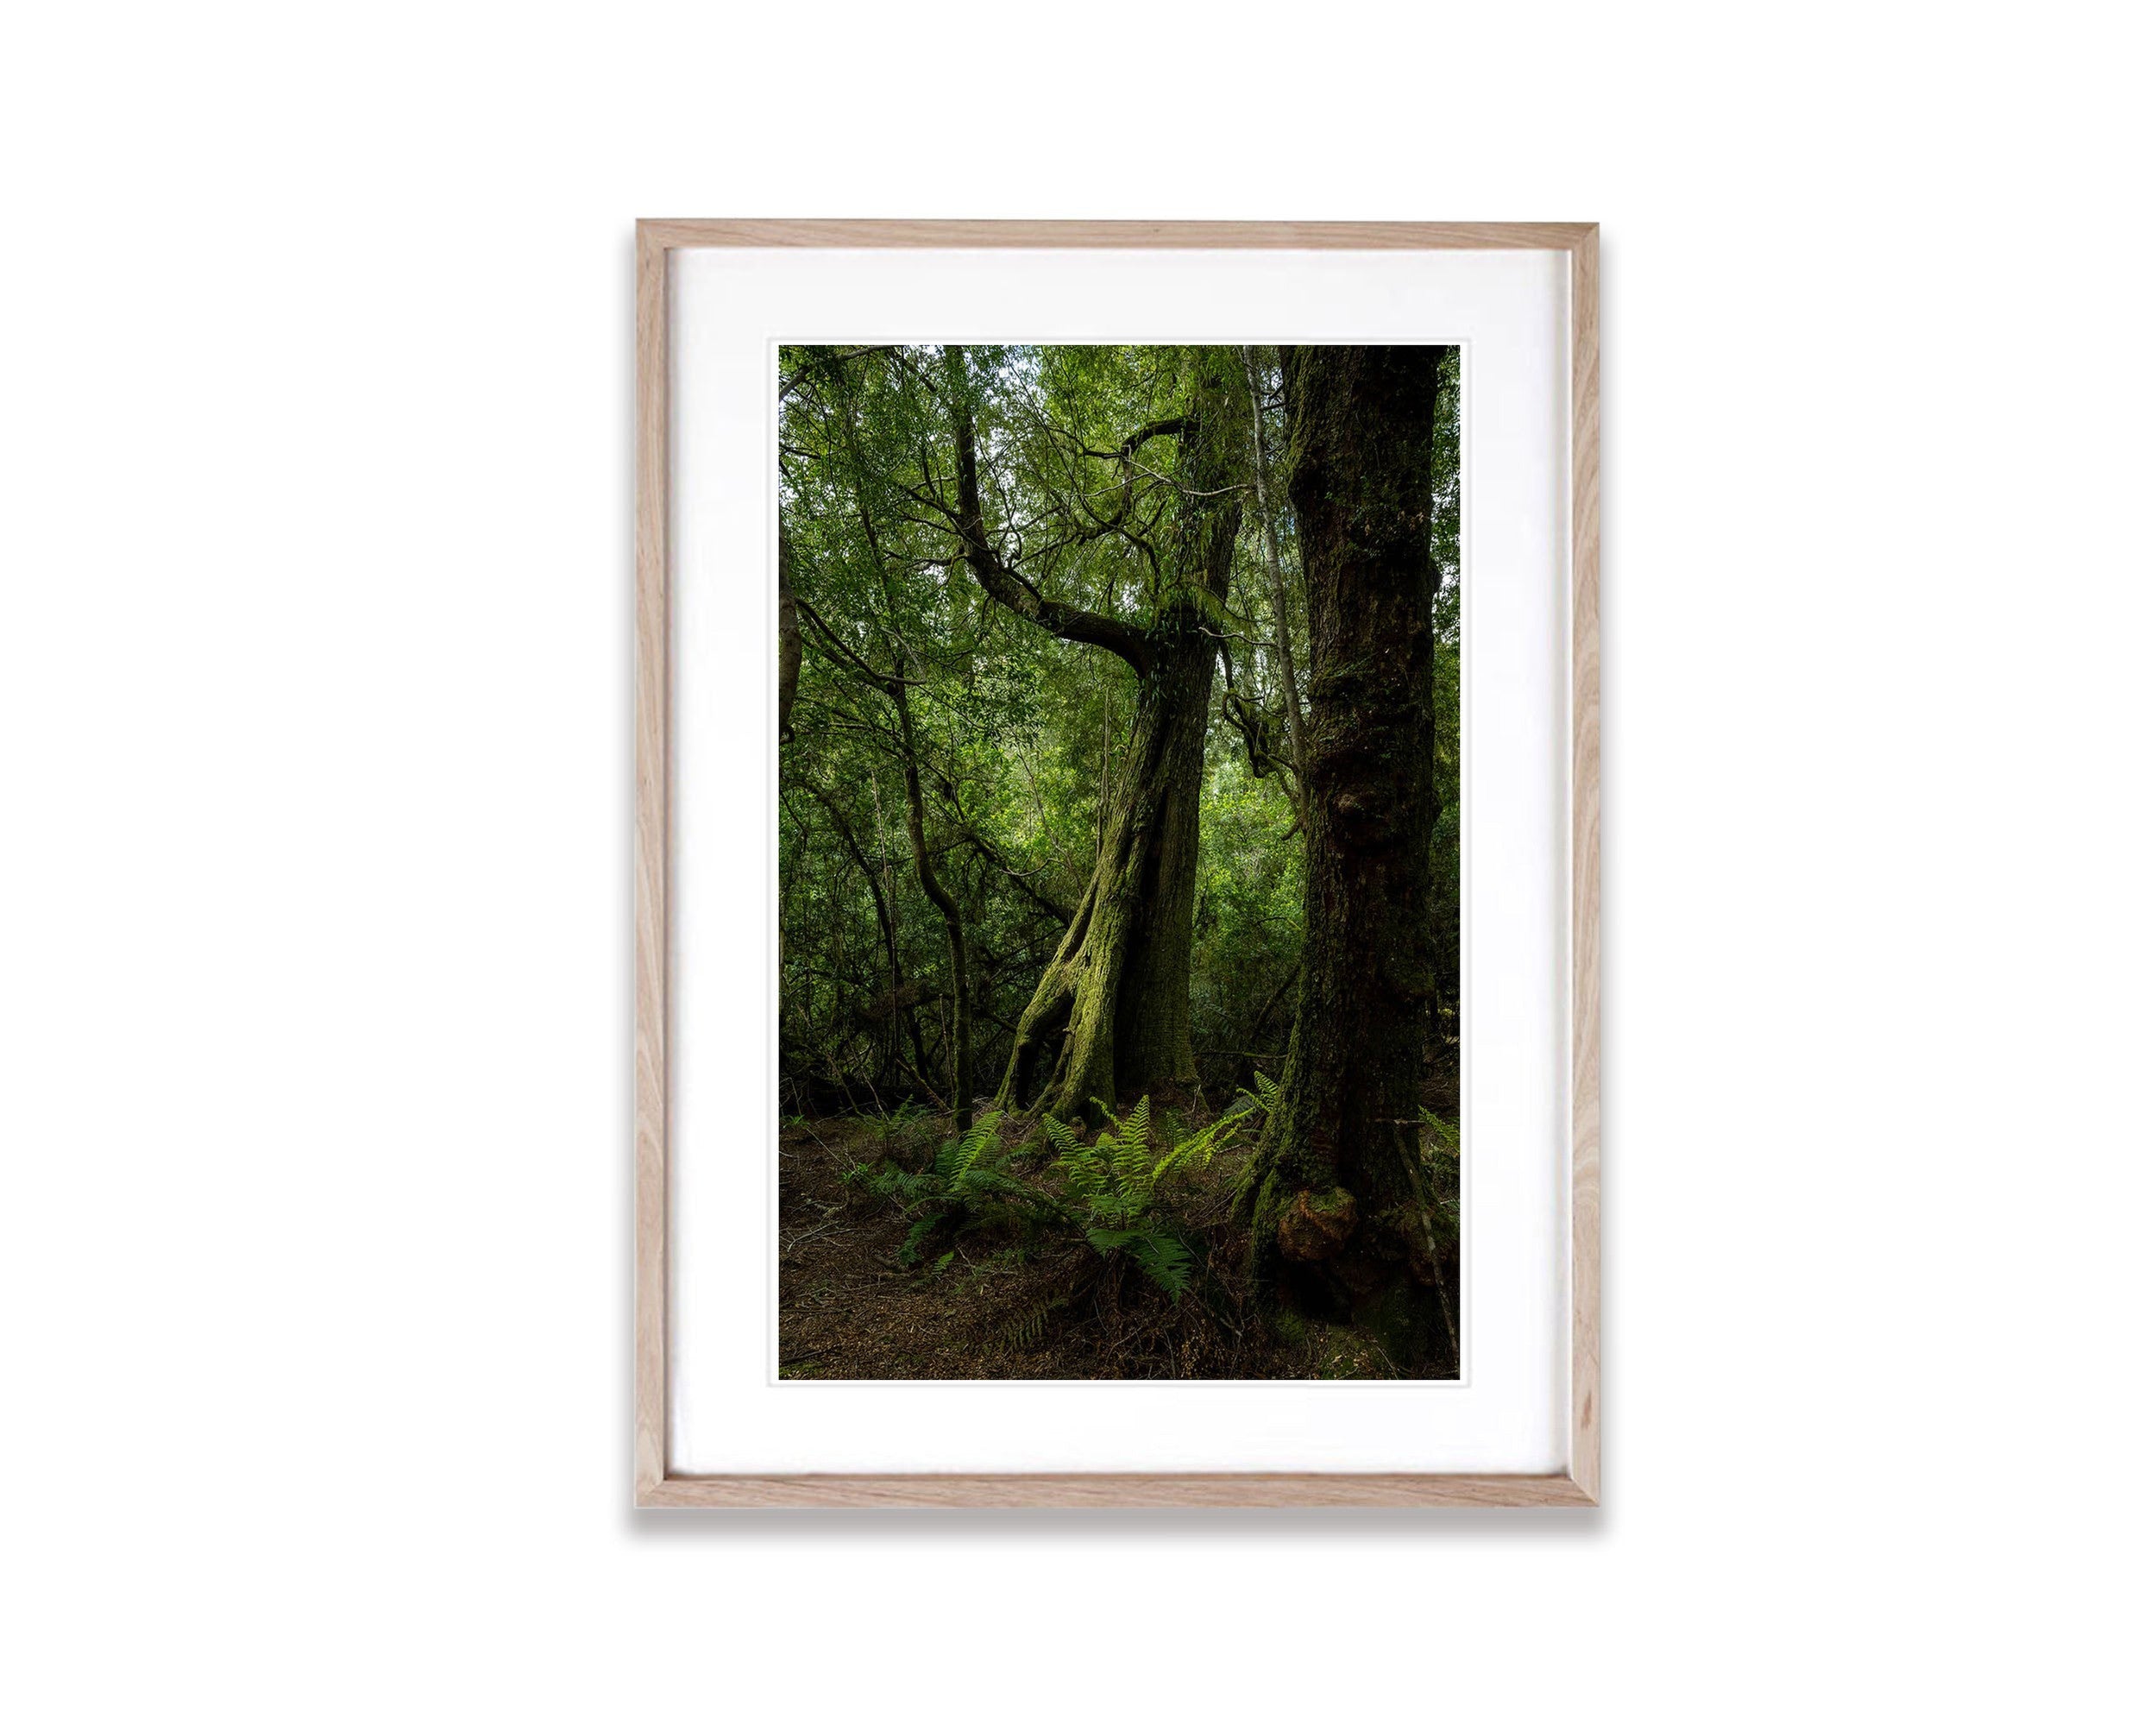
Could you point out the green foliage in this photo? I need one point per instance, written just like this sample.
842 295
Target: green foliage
1156 1249
1020 737
1029 1323
1444 844
1262 1103
1198 1150
1020 741
1115 1185
1113 1190
1443 1138
968 1184
1440 1160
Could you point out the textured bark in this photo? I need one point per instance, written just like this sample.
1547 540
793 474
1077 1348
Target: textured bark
1343 1217
1111 1017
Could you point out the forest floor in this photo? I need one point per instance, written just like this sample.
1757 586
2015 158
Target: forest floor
1008 1302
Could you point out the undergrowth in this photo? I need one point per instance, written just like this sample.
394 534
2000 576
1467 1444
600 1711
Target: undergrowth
1111 1192
1130 1196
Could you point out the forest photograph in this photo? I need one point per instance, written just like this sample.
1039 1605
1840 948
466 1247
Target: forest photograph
1118 872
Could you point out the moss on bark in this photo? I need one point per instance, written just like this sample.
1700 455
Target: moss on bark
1111 1016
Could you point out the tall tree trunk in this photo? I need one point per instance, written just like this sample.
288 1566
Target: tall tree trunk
1343 1217
953 920
1111 1016
894 1056
1262 470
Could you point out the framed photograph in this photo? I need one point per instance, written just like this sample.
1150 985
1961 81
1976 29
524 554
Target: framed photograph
1116 849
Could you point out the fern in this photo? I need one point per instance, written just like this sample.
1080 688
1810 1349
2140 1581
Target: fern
1127 1149
1030 1322
1267 1097
1165 1260
1114 1187
968 1150
1441 1157
916 1237
968 1185
1111 1190
1160 1254
1200 1148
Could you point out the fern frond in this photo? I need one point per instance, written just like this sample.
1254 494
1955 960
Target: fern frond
1080 1165
1086 1175
905 1189
1131 1133
1202 1147
1133 1150
910 1250
978 1137
1164 1260
1441 1138
1026 1326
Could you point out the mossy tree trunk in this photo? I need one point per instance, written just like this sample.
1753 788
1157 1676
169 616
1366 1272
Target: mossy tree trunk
1343 1214
1111 1016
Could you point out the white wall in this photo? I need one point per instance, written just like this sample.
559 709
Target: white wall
314 388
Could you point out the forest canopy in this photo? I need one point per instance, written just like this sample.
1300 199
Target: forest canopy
1071 724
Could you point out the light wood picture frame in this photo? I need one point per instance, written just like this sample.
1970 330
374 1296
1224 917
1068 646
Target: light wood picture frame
1579 1481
